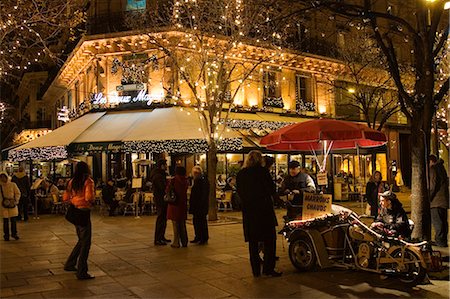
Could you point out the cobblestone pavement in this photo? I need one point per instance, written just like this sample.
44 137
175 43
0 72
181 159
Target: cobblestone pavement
126 264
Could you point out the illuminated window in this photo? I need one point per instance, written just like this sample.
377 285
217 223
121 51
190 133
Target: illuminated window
271 86
135 4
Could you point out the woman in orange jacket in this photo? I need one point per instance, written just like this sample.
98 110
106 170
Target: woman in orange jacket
80 192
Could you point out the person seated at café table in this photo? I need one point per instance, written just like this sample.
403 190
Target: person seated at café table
295 183
121 180
46 191
108 196
392 219
221 183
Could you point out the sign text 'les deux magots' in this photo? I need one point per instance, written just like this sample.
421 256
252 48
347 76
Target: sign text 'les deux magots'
100 99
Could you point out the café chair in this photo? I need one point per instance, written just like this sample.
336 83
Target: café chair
57 205
224 204
148 203
131 207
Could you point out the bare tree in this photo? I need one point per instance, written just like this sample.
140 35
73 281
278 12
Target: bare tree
35 32
367 87
216 47
417 27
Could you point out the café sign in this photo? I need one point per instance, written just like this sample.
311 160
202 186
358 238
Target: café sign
100 99
96 147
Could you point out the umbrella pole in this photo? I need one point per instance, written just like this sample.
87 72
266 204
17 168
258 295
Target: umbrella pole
359 166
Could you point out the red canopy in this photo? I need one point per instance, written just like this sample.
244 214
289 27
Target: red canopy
311 135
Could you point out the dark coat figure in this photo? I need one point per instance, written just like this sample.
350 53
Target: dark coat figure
302 182
372 191
395 222
198 207
177 211
439 200
158 179
108 196
255 187
23 182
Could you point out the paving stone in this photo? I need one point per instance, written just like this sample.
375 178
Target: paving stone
49 286
6 292
204 291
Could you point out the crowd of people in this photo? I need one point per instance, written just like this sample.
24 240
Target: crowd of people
255 187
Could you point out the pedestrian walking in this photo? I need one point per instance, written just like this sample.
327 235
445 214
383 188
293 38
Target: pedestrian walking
10 196
374 187
22 181
199 205
158 179
439 197
80 193
255 187
177 211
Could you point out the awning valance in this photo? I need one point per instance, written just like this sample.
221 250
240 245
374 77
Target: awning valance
53 145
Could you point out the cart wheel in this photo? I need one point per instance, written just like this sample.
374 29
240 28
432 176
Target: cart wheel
302 254
414 273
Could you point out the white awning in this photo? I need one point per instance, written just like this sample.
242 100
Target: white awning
53 145
113 126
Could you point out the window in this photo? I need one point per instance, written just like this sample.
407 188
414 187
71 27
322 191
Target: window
271 86
135 4
77 95
303 94
69 99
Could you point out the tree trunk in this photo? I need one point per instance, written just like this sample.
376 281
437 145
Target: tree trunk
212 170
420 205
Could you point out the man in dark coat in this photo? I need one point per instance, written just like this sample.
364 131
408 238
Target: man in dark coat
199 205
158 179
108 196
439 197
23 182
255 187
296 182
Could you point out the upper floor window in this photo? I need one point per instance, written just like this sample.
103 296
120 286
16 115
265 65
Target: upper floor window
272 87
303 93
69 99
136 4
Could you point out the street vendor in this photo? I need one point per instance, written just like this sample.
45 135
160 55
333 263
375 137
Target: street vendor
295 183
392 219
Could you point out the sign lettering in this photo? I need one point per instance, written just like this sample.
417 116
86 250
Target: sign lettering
316 205
100 99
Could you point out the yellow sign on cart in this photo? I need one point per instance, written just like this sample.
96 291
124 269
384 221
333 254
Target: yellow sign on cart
315 205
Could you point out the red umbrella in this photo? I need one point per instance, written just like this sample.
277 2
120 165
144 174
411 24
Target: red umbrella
324 134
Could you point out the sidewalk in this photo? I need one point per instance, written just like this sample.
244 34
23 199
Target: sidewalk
127 265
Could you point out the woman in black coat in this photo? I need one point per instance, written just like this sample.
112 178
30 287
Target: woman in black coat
199 205
374 187
255 188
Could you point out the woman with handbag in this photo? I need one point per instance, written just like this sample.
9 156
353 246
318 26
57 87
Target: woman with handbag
177 210
10 196
81 194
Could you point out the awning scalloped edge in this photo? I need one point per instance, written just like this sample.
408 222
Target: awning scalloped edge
38 153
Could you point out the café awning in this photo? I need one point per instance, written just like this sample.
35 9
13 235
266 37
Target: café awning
172 130
53 145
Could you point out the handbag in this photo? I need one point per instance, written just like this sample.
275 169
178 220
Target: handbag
77 216
170 196
7 203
